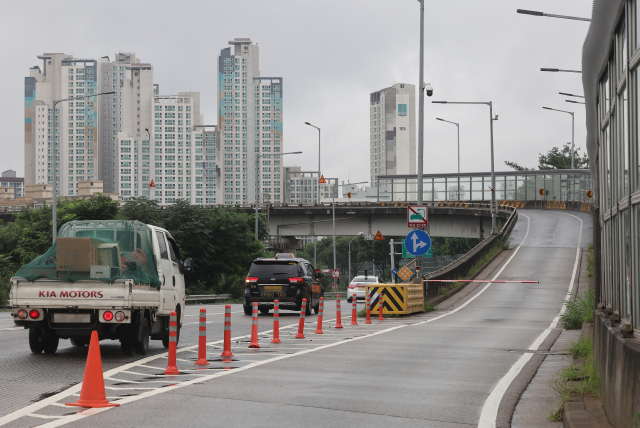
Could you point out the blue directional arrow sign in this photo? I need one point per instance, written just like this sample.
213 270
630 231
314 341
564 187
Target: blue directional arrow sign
417 243
394 271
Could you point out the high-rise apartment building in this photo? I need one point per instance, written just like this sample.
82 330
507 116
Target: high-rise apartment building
180 157
128 111
250 127
392 131
86 146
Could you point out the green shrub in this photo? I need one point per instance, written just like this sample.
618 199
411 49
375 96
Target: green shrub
579 311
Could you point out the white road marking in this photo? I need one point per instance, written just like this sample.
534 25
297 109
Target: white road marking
155 391
12 328
489 415
34 415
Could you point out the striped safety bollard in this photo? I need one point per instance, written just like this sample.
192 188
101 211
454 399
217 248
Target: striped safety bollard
354 309
202 339
276 322
303 310
227 333
254 327
368 321
321 305
173 344
380 307
338 313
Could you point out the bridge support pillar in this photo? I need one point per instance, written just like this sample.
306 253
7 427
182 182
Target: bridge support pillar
287 244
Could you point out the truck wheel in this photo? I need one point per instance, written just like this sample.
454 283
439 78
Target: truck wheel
142 347
50 344
126 348
35 342
77 342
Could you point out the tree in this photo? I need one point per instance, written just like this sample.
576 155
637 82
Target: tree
561 159
142 209
557 159
517 167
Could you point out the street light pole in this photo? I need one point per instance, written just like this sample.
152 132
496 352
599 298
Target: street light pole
54 205
536 13
558 70
572 129
359 234
335 285
421 108
458 126
258 156
315 237
494 205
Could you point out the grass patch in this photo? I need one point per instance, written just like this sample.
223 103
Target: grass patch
582 348
362 313
586 374
579 311
428 307
590 262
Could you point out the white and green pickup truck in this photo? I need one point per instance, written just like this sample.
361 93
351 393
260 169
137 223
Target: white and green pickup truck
120 278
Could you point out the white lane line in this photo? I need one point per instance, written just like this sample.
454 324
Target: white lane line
34 415
488 284
12 328
489 415
75 389
156 391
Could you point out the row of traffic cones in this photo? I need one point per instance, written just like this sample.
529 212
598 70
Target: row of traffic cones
93 393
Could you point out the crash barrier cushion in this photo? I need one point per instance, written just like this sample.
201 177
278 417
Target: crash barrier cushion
399 299
100 250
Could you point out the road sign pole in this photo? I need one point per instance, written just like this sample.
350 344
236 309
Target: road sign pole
393 263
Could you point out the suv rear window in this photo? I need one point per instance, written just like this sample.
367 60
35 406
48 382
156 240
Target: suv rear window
362 279
274 268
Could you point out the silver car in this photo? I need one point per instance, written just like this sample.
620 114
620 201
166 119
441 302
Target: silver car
358 286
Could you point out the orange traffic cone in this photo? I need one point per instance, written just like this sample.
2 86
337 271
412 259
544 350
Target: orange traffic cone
93 394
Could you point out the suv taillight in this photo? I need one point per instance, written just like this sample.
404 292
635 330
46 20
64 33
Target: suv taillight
251 280
296 280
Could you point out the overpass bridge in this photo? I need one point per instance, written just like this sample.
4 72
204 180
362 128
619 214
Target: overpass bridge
459 205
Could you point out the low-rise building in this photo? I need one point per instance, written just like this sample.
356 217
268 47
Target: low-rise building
9 179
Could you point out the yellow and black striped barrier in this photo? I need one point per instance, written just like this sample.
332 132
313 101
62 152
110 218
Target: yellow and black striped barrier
399 299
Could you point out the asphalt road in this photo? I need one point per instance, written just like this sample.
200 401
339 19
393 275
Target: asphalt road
428 370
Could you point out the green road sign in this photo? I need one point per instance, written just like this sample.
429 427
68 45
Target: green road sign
408 255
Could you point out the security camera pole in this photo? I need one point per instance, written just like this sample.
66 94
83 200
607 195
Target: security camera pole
421 108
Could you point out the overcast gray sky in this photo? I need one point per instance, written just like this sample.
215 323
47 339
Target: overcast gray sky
332 54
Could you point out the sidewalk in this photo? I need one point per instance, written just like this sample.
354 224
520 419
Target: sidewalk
540 400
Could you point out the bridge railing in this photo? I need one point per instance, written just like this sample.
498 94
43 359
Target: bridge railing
556 185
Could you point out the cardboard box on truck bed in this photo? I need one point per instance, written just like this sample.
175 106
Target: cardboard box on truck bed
76 254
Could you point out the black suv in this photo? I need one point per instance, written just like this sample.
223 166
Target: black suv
286 280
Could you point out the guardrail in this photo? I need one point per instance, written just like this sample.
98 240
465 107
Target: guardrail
207 297
461 267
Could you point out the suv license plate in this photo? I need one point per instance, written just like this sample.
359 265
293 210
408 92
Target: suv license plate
71 318
273 289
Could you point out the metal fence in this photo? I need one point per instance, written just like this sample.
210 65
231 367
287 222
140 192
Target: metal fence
557 185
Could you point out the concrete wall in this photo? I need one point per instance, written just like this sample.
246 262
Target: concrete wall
618 361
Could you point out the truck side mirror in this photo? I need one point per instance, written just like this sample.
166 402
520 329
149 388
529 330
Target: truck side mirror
188 265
